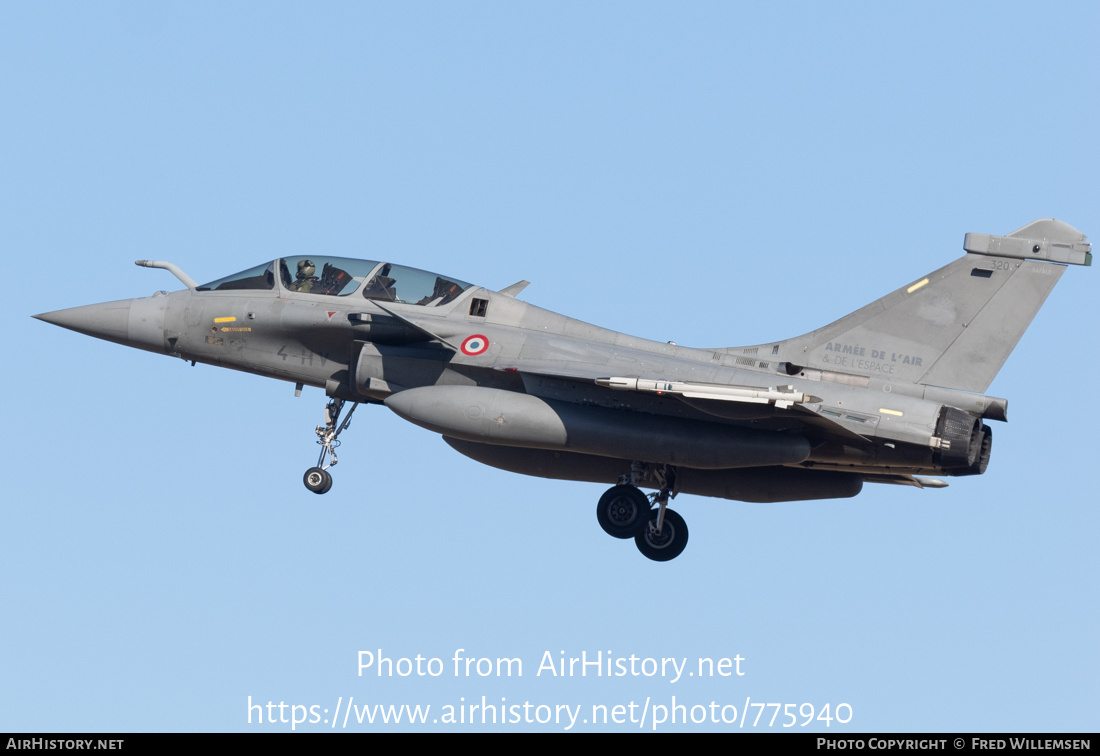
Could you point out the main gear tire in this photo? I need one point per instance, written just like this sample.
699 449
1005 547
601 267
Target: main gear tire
622 511
666 545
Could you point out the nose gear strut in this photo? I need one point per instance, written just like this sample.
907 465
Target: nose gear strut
318 479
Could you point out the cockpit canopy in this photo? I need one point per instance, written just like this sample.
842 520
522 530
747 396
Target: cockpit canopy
343 277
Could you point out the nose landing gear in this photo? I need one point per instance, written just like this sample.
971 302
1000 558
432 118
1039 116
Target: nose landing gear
625 512
318 479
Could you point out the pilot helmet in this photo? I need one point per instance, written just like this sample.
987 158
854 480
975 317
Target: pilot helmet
306 268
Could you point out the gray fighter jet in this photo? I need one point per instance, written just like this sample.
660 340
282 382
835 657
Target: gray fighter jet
888 394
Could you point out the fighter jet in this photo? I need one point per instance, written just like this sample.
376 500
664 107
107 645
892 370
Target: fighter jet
892 393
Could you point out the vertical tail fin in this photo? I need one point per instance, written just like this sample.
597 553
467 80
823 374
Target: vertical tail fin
954 327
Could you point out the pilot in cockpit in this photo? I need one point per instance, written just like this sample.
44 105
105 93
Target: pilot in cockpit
304 279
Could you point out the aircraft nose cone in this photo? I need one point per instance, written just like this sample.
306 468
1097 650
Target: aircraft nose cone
133 322
108 320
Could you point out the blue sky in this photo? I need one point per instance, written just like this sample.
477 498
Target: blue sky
716 174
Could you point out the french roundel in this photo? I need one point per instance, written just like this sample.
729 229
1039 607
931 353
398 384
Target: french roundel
475 345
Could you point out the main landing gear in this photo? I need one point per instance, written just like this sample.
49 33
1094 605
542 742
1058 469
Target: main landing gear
318 479
625 512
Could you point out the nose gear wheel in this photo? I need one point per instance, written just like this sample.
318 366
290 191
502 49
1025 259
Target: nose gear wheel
318 479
